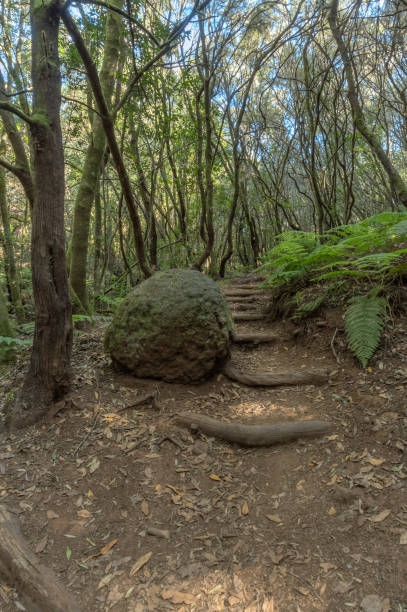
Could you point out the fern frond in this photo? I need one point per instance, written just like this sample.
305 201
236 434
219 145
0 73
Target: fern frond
309 307
364 324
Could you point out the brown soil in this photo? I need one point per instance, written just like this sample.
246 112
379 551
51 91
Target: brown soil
134 513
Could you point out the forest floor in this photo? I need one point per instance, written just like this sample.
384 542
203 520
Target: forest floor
135 514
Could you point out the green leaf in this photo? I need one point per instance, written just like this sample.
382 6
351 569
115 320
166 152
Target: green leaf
68 553
364 324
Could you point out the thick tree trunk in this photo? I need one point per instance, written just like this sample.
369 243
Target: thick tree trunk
48 378
92 165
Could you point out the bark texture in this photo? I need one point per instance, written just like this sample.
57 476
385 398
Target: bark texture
48 378
9 259
37 586
88 186
274 379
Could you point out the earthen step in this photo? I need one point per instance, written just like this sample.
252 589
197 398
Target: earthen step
245 299
242 292
254 338
247 316
243 287
244 306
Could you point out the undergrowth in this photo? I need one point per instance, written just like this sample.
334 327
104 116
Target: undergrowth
356 265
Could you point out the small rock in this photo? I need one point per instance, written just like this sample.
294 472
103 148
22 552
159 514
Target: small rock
371 603
200 448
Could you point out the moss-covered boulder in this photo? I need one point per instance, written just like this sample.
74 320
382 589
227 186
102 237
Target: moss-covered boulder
175 326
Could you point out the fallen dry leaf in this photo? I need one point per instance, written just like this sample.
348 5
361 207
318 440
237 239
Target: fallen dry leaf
94 465
177 597
327 566
108 546
215 477
43 543
105 581
103 551
274 517
160 533
139 563
331 511
144 508
381 516
302 590
245 508
84 514
52 515
375 462
403 538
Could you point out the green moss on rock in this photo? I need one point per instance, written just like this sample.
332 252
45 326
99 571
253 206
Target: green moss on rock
175 326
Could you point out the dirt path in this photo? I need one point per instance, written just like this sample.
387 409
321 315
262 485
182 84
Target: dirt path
136 514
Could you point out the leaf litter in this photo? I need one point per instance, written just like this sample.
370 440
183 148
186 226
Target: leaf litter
214 522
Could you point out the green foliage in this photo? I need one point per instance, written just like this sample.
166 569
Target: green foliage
363 324
363 250
346 260
9 347
304 309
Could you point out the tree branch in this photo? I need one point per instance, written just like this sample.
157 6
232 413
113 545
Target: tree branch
10 108
9 167
166 48
14 94
110 7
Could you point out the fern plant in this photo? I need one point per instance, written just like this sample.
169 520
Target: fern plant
364 321
346 260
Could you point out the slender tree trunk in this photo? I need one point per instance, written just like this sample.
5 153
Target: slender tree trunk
206 188
398 186
21 168
232 212
7 351
9 259
97 243
48 378
92 165
108 126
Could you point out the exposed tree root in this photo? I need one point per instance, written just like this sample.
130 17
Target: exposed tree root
247 316
37 585
274 379
253 435
254 338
